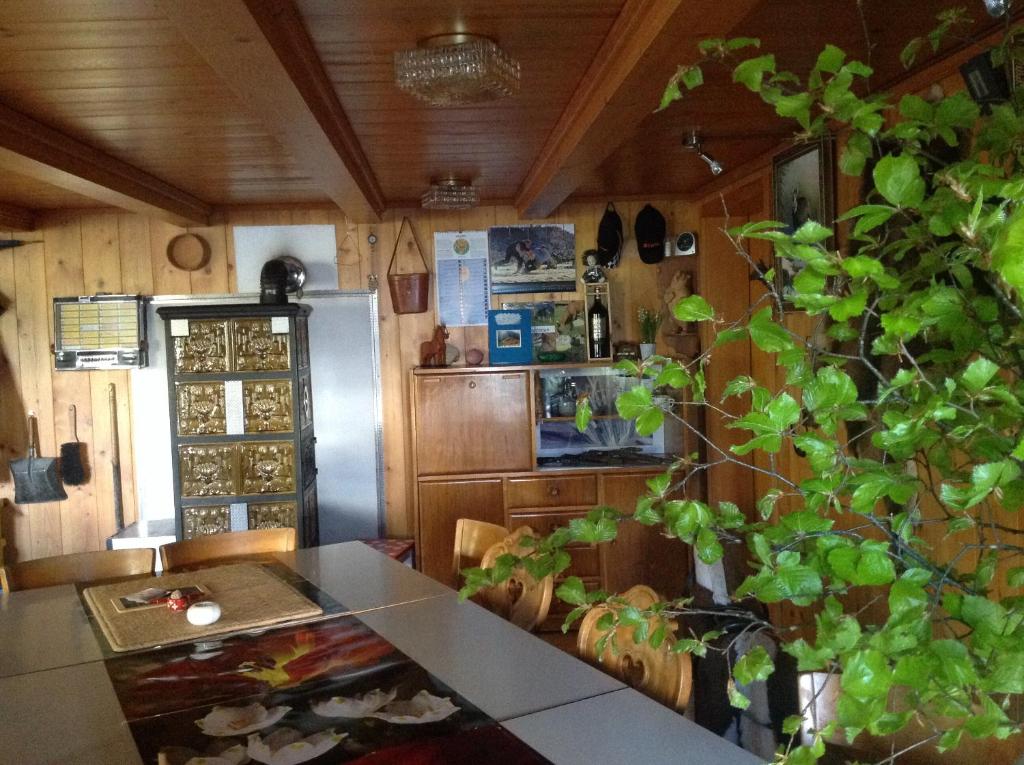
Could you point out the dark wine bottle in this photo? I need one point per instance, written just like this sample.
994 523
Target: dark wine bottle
600 345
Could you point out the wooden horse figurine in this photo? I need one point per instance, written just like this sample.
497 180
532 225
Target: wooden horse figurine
432 352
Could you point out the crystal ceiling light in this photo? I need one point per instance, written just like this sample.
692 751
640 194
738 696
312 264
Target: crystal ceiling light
450 194
447 70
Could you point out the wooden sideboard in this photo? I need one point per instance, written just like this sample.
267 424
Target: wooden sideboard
474 443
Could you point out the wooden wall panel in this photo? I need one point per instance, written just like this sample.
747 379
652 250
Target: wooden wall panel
87 251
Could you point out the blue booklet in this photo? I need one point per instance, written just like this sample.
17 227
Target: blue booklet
510 336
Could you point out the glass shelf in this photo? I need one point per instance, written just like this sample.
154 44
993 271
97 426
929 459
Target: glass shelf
558 390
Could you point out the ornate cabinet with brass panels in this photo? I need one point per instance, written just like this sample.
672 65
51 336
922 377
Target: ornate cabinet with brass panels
241 418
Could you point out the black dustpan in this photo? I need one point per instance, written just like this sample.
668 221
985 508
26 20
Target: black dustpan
36 478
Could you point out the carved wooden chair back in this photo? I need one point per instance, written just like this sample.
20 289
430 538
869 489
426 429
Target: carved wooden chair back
521 599
659 673
472 538
223 548
77 567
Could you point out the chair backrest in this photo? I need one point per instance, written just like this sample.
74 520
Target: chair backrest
472 538
662 674
521 599
77 567
223 547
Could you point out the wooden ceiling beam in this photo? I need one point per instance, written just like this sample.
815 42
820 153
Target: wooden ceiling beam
14 218
261 50
30 148
622 87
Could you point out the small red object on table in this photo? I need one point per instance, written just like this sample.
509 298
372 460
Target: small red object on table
399 549
179 601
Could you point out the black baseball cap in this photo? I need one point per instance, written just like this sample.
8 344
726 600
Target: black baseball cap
609 238
650 234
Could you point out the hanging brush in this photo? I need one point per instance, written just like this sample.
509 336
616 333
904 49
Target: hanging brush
72 467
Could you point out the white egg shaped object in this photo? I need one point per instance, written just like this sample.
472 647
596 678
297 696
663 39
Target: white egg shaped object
202 613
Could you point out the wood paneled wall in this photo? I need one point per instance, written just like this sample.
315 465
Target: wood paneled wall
724 276
84 252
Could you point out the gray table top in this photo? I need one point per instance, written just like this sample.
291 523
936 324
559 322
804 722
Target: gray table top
52 679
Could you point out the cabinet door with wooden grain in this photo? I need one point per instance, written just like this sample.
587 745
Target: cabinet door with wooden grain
640 554
441 504
473 423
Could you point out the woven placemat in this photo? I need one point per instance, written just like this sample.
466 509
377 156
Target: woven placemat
249 597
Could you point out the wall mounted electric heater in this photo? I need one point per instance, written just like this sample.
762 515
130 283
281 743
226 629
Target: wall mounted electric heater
99 332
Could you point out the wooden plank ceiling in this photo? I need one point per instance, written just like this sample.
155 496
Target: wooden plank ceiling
144 84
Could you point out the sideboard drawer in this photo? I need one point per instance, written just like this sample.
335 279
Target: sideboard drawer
585 558
567 491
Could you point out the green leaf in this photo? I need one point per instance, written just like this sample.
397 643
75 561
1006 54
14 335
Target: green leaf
949 740
916 108
754 665
672 93
692 77
737 699
909 53
738 386
673 375
783 411
736 43
767 335
830 59
693 308
730 336
634 402
1007 673
660 484
1008 250
978 373
808 657
899 180
752 71
650 420
766 504
708 548
812 232
806 522
907 596
792 724
572 591
583 413
805 755
866 675
796 106
1015 576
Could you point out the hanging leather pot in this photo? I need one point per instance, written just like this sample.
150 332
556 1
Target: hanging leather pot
408 291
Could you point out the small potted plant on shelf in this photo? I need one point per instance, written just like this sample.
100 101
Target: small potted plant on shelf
649 322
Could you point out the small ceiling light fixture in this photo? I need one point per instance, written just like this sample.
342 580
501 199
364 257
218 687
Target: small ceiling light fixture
447 70
450 194
691 142
997 8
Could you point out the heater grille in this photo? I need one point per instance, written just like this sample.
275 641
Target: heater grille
99 332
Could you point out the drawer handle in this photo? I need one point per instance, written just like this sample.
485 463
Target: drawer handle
472 383
554 491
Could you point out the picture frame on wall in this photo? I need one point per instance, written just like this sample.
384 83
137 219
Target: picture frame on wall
559 330
803 189
539 258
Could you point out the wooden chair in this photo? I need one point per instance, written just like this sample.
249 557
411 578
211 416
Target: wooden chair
521 599
223 548
77 567
665 676
472 538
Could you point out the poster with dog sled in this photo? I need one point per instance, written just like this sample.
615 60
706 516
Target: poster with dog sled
532 258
